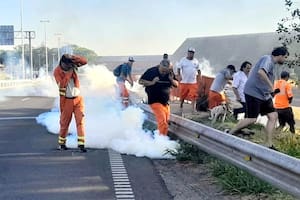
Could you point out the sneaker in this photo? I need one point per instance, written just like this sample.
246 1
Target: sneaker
227 130
273 148
82 148
62 147
292 129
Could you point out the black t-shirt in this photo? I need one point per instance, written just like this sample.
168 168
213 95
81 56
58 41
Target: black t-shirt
159 92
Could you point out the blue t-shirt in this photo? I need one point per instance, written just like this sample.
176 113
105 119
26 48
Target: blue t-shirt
257 87
126 71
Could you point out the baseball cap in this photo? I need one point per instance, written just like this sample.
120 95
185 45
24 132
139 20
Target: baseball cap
165 63
191 50
130 59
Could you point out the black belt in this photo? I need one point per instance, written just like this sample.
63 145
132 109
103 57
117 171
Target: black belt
70 97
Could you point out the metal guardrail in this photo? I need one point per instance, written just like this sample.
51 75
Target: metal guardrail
278 169
14 83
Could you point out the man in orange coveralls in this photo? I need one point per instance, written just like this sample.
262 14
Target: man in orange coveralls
158 81
70 100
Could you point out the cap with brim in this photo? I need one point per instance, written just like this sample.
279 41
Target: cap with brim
191 50
130 59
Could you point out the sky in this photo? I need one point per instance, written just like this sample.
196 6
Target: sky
137 27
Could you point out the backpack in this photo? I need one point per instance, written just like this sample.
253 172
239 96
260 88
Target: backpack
117 70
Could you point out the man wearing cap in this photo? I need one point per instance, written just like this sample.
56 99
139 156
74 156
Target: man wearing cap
158 81
71 101
282 101
125 75
188 70
215 97
259 92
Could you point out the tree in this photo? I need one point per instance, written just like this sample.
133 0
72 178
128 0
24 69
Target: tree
289 33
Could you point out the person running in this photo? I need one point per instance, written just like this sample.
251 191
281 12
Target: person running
282 102
158 81
215 98
71 101
258 93
238 85
188 71
125 75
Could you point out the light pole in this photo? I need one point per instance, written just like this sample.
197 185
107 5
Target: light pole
22 41
58 45
46 52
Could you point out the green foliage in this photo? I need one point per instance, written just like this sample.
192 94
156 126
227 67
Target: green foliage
190 152
289 144
237 181
89 54
289 33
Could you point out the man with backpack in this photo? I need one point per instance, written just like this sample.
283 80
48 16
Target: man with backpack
123 73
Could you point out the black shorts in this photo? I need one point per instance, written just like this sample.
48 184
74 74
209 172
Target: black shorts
255 106
285 115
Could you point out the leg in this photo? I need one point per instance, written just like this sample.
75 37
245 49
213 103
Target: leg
290 119
252 112
193 94
124 94
242 124
183 93
65 119
160 111
79 118
272 118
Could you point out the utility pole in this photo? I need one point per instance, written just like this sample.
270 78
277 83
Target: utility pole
46 51
22 42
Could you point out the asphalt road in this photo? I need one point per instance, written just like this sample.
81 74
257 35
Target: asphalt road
31 168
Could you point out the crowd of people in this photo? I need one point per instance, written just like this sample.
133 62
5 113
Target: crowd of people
254 88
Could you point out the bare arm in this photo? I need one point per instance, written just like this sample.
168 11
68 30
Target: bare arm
238 98
262 74
147 83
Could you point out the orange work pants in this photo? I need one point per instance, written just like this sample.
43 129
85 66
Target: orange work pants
67 108
124 94
162 115
214 99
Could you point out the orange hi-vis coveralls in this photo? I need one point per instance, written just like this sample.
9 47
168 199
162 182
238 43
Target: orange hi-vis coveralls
70 101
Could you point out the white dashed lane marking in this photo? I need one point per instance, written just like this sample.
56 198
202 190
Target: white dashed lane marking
121 181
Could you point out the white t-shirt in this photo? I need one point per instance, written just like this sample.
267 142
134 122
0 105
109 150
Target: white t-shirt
239 81
188 70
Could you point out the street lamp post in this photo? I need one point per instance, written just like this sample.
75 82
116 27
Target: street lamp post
22 41
46 51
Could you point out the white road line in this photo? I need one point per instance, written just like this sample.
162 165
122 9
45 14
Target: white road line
121 181
25 99
14 118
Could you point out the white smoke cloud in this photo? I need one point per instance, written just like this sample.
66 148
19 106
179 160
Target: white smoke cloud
106 124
